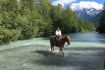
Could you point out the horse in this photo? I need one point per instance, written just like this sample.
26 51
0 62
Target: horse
60 43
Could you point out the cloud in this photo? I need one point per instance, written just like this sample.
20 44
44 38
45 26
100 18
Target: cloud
86 4
62 2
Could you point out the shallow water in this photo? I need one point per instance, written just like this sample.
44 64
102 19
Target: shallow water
34 54
90 39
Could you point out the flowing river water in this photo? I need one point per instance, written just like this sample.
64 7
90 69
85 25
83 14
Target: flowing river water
88 39
86 52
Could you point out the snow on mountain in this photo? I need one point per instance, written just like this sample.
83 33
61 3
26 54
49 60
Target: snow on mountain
89 14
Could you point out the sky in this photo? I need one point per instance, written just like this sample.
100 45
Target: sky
80 4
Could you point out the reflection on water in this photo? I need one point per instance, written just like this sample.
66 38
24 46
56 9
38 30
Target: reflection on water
88 37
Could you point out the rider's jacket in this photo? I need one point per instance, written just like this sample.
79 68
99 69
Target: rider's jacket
58 33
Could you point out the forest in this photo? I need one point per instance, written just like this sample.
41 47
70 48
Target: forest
101 27
26 19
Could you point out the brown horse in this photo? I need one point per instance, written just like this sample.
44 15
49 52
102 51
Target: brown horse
60 43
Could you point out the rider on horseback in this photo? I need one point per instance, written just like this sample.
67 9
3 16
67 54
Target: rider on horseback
58 34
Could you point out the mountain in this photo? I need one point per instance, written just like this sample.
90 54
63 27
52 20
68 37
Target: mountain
91 14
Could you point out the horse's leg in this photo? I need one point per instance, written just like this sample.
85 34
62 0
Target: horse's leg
52 44
61 51
52 48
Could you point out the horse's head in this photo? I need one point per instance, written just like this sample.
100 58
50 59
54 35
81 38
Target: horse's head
68 39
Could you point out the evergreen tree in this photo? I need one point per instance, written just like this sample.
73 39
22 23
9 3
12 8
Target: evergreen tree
43 7
9 11
30 19
70 21
85 26
57 16
101 27
8 23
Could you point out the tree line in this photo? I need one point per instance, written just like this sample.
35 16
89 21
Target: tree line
25 19
101 27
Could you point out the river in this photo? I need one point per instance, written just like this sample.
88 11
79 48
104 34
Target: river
88 37
85 39
86 52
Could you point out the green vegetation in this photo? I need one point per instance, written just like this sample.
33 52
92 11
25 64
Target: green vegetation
25 19
7 35
101 28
